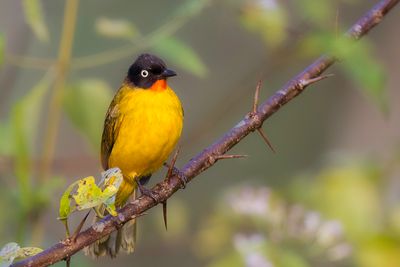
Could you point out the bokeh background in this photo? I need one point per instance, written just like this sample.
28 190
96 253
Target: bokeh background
330 194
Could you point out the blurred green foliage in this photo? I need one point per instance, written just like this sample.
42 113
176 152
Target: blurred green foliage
347 225
267 18
1 48
359 62
116 28
35 19
182 55
339 216
85 103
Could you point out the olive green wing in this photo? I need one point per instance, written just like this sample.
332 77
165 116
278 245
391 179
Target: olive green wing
110 131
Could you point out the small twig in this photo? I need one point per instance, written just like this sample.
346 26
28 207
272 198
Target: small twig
79 228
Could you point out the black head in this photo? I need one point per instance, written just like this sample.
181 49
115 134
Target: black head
147 69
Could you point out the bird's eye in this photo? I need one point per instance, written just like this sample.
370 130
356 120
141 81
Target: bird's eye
144 73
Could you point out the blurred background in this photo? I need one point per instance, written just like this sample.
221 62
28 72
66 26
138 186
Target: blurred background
330 194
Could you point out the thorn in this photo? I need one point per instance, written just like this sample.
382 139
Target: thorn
172 165
164 206
256 96
264 136
213 159
230 156
137 215
172 169
304 83
79 228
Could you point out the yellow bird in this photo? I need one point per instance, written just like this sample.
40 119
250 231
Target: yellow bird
142 126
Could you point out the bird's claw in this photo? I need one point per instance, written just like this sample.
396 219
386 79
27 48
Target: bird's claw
148 192
181 177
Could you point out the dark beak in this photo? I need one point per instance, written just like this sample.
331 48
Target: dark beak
168 73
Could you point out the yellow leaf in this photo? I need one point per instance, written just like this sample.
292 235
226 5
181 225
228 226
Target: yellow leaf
112 180
27 252
88 194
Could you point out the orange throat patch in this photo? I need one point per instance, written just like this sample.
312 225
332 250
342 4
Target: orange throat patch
159 85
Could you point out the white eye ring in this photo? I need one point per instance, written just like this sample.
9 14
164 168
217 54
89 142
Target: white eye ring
144 73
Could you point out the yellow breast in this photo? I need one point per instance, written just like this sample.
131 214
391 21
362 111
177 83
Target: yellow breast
149 128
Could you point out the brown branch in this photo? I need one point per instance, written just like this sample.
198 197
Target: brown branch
201 162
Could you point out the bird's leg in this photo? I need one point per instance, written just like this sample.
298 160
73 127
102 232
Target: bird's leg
147 192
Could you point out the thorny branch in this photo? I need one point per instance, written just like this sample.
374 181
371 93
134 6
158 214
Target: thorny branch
165 189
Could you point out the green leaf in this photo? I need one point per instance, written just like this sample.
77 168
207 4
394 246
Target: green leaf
116 28
34 17
65 202
86 104
182 55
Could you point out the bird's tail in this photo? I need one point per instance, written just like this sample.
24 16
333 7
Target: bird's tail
123 240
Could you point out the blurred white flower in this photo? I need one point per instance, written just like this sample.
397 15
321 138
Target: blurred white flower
268 4
246 243
312 221
250 201
329 233
257 260
251 248
340 251
295 219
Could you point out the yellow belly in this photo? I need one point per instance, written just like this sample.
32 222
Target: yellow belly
150 126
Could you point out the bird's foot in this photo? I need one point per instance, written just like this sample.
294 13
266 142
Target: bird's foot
172 170
181 177
148 192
